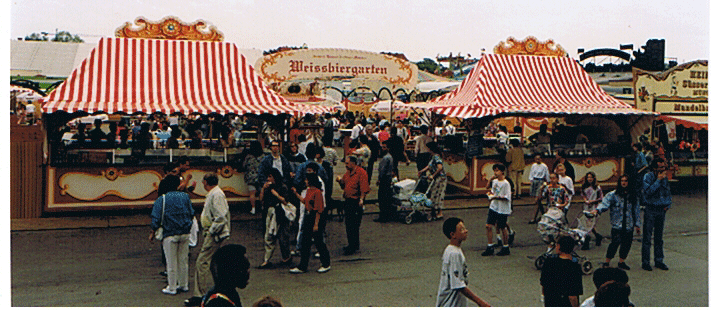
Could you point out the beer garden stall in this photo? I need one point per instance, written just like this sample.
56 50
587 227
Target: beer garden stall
533 86
128 76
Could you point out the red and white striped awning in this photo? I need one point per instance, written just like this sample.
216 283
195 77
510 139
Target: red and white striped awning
145 75
528 85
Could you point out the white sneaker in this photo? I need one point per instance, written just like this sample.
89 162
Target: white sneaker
168 291
324 269
296 270
253 211
317 255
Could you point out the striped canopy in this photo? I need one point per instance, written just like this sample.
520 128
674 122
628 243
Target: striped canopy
139 75
528 85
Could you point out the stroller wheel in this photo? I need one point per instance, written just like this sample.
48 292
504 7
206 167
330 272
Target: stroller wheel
587 267
408 219
539 262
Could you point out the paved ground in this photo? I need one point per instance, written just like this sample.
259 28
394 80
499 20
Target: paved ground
397 267
106 260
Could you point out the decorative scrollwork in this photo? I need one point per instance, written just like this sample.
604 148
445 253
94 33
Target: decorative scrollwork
529 46
405 66
170 28
270 60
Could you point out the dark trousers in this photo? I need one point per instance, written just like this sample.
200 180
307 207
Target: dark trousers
653 223
354 215
308 234
422 159
385 195
371 164
621 239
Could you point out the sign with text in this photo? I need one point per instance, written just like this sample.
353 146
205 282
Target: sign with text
680 90
331 64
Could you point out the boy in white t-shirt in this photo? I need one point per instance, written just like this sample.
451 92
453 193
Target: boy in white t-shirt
453 290
499 211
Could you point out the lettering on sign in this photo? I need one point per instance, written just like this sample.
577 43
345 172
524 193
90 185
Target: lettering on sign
297 66
691 108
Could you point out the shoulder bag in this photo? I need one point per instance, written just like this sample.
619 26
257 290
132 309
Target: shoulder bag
159 231
289 211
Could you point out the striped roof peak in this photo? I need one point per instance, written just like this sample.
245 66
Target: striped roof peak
151 75
523 83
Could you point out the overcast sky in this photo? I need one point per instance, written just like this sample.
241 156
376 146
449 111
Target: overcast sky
419 29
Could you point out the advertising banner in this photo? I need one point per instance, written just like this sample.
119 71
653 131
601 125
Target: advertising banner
682 90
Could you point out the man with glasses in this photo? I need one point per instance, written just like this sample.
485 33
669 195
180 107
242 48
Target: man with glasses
656 196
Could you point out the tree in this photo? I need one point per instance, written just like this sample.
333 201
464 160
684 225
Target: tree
429 65
36 37
65 36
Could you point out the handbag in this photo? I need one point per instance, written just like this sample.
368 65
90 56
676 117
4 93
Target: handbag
159 232
289 211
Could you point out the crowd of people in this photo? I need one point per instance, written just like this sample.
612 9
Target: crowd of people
293 190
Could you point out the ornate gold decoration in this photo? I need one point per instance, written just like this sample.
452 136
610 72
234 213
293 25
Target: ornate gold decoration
405 66
270 60
529 46
111 173
170 28
226 171
90 187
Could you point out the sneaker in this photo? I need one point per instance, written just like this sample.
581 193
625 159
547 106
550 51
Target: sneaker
661 265
623 266
183 289
168 291
489 251
317 255
324 269
511 237
253 211
193 301
647 267
296 270
348 251
504 252
295 253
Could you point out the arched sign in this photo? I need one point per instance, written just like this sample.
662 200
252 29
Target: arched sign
337 64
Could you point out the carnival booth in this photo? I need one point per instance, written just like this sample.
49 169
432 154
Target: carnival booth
680 95
129 78
538 87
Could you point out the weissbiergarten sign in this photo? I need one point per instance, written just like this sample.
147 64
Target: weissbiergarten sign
310 64
682 90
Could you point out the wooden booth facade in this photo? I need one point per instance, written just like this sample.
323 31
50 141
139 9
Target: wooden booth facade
534 80
186 71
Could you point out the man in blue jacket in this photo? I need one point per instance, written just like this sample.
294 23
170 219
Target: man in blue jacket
276 160
656 194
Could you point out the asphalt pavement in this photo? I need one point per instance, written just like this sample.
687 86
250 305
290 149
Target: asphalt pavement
106 260
398 265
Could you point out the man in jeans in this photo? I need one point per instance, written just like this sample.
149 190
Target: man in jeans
355 187
656 194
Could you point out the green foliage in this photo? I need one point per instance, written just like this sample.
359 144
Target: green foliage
36 37
429 65
65 36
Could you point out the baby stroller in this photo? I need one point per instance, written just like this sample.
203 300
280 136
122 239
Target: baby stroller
552 225
410 197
